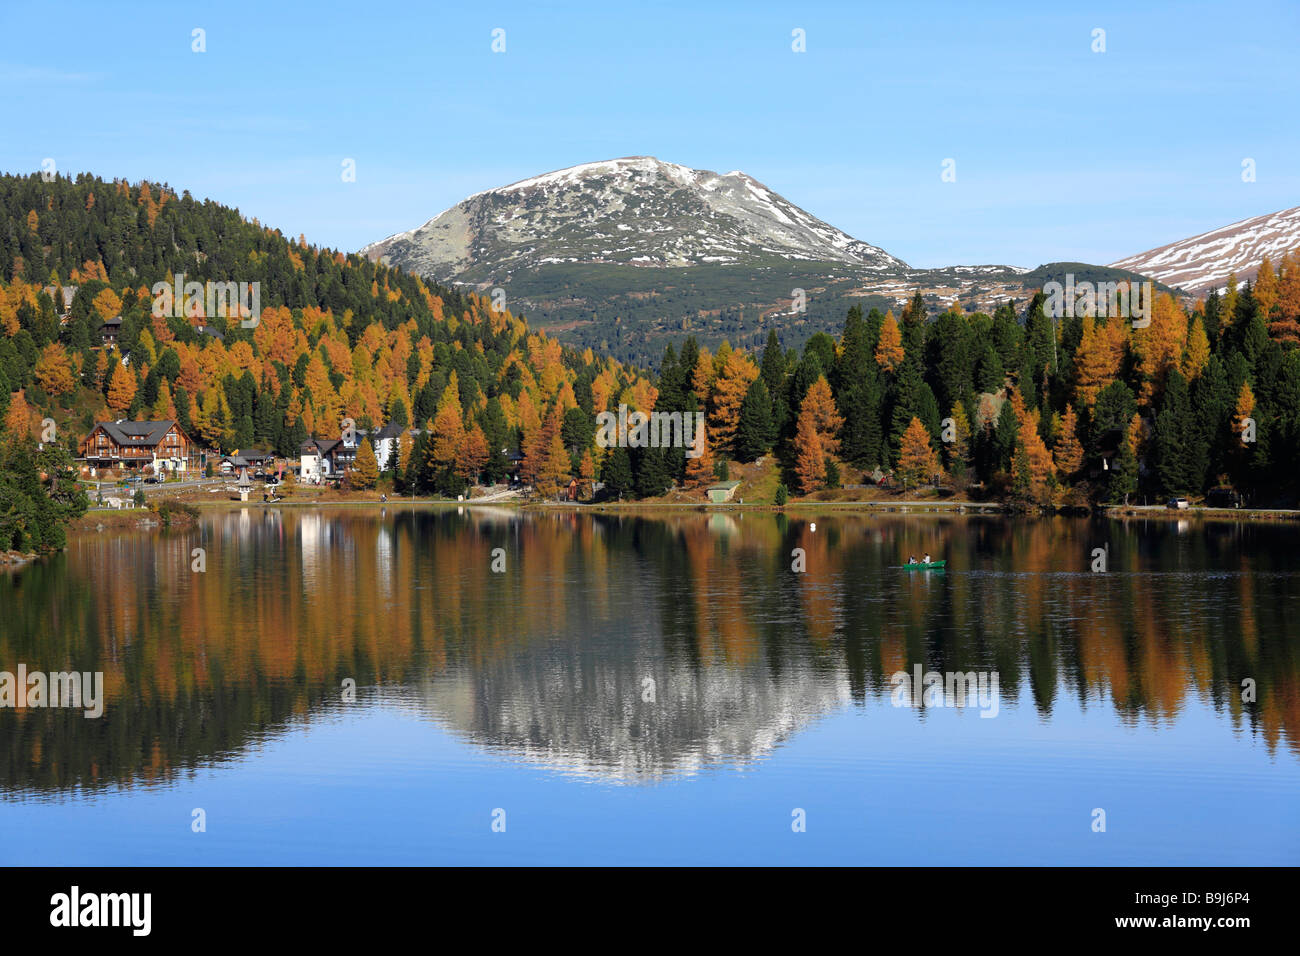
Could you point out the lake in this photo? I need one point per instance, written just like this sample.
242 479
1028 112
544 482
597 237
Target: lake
415 685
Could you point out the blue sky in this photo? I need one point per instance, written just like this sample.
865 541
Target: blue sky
1061 153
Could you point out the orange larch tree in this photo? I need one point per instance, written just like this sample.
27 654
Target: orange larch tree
448 429
810 457
699 470
729 389
819 405
1244 409
917 459
121 388
586 473
889 350
1265 288
1032 468
107 304
1160 345
1197 353
1068 452
1285 326
554 470
54 372
1098 357
364 472
474 454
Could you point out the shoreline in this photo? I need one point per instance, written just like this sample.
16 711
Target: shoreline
98 520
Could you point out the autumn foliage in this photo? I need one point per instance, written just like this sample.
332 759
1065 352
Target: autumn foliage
917 459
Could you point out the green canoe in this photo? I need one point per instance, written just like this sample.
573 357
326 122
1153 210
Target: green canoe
933 565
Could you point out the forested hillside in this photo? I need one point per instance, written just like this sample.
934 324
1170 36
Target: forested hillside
1015 405
338 336
1071 411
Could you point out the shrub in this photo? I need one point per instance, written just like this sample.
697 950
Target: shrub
171 511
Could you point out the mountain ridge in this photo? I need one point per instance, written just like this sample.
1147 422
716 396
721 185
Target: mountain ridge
635 210
626 255
1204 261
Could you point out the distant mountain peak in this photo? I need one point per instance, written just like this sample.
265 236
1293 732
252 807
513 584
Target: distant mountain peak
1204 261
634 210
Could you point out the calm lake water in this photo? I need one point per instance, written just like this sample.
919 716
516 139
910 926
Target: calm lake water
645 689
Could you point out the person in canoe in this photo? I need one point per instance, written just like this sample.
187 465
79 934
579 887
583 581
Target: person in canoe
911 559
926 559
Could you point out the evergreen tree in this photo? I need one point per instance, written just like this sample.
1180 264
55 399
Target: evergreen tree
616 472
907 403
1005 435
1123 475
951 360
857 389
755 427
1173 430
397 413
1115 408
651 471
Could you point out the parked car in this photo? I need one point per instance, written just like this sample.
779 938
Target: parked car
152 480
1180 503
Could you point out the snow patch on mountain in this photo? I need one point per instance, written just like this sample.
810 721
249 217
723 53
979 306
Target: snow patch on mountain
1203 262
656 214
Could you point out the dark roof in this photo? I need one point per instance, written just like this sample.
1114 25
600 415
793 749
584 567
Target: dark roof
115 320
137 434
68 292
323 445
249 457
209 330
391 430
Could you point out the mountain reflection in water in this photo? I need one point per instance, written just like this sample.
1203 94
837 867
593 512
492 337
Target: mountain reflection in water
627 648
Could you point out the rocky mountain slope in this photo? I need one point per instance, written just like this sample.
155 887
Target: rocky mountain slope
628 254
635 211
1203 262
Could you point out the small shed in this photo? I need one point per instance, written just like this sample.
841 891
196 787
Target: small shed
722 491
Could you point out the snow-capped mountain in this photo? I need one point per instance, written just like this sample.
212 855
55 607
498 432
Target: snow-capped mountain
1204 262
635 211
628 255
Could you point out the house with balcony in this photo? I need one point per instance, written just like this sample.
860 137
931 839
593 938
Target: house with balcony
110 331
163 446
322 459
